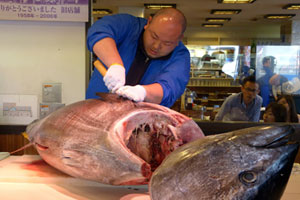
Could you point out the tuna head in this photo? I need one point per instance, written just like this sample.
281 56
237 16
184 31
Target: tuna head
252 163
112 140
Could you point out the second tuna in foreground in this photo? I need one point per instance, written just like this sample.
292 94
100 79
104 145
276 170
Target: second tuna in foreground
252 163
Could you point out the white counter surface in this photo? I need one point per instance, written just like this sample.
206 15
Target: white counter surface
29 177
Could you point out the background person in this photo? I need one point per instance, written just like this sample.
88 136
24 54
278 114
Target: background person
288 102
269 63
269 82
147 56
275 112
244 106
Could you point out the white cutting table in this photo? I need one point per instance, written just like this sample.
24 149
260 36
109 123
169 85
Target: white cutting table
29 177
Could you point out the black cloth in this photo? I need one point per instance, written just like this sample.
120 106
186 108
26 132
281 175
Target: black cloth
140 64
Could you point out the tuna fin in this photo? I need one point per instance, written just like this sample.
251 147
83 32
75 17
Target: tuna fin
25 135
72 158
110 97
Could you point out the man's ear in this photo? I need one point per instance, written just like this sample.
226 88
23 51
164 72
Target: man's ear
148 22
181 37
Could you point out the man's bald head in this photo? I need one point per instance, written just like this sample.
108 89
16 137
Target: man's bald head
163 32
174 14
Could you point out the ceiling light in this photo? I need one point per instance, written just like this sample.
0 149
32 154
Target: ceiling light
159 6
236 1
101 11
292 7
225 12
217 19
279 16
212 25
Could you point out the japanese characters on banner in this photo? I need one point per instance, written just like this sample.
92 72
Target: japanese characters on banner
44 10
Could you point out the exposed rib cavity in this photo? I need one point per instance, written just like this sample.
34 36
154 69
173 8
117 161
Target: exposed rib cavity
153 142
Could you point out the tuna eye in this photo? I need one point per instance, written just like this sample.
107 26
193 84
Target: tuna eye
248 177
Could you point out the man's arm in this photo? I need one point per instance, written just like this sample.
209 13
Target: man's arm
225 108
154 93
106 50
256 115
275 79
105 34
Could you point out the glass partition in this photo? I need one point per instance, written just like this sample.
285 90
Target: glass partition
283 61
218 71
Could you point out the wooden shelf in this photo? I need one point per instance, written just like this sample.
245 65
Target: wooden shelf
207 100
201 86
209 78
210 69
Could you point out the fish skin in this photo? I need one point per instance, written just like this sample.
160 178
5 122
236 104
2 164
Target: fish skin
215 167
87 139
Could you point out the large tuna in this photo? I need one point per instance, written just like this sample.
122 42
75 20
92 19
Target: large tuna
252 163
111 140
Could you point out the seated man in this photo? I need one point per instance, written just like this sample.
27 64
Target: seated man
244 106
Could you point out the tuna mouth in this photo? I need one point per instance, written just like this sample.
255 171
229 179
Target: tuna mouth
153 142
41 147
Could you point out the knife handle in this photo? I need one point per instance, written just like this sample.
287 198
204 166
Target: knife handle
100 67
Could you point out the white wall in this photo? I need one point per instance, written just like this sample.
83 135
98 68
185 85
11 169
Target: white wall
32 53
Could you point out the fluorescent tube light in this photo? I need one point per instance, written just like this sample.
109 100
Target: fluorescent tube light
212 25
225 12
159 6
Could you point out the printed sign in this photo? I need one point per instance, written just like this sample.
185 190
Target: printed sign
44 10
18 109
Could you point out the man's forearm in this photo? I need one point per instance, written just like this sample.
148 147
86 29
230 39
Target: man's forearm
154 93
107 51
275 79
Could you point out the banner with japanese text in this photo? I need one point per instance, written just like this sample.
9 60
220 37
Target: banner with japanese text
44 10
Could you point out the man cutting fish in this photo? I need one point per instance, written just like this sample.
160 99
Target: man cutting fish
146 59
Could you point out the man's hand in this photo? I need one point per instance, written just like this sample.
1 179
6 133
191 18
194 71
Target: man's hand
114 77
136 93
